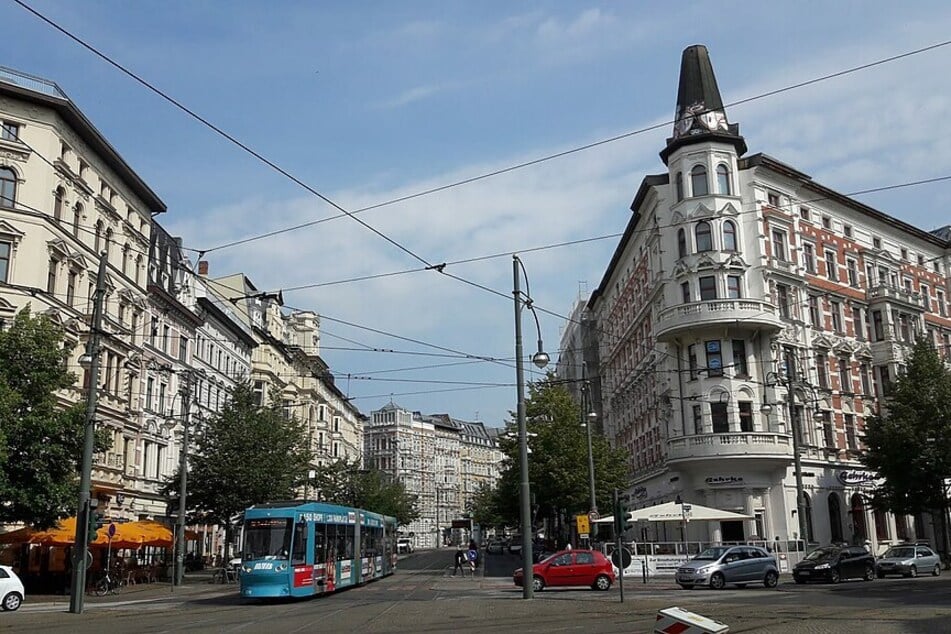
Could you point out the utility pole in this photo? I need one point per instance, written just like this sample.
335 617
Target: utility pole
78 583
185 389
796 425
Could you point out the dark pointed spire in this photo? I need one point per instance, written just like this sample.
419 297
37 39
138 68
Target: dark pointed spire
700 114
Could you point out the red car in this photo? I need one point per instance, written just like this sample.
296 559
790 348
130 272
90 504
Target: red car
571 568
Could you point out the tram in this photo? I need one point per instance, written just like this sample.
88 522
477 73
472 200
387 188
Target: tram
299 549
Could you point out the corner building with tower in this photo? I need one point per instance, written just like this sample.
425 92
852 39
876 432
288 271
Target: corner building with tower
738 278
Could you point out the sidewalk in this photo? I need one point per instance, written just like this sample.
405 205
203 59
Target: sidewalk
195 584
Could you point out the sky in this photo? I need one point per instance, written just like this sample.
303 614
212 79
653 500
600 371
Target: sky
366 102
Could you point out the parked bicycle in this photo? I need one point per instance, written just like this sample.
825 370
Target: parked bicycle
108 585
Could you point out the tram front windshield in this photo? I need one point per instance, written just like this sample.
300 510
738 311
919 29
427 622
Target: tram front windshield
267 538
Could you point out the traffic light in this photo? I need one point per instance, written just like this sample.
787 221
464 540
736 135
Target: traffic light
621 521
95 523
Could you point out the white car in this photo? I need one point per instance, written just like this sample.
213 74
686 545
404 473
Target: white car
404 545
11 589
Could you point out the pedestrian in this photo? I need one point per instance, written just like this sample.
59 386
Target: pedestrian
568 546
472 555
460 561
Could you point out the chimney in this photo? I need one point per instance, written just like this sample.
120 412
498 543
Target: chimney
203 267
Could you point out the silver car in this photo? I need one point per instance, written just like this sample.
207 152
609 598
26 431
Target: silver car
908 561
719 565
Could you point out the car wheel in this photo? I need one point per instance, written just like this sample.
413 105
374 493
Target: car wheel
12 601
834 576
603 582
538 584
936 572
869 573
687 586
771 580
913 572
717 581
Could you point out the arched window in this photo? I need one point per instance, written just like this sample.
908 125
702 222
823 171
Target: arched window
729 236
704 236
881 524
125 260
138 270
835 517
807 504
8 187
97 244
723 179
698 181
77 217
107 247
681 243
680 186
859 529
58 203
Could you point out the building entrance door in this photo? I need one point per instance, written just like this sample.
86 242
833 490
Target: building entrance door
732 531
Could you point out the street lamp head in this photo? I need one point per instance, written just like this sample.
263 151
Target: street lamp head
540 358
85 361
765 409
592 416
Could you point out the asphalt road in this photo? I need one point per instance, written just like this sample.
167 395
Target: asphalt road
422 598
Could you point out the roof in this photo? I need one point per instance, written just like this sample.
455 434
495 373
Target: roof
46 93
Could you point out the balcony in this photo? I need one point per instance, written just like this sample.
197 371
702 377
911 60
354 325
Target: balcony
737 313
732 445
889 293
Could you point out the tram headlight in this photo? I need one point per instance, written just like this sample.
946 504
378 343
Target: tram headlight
280 567
247 568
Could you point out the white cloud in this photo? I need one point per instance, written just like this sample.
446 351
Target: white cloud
408 96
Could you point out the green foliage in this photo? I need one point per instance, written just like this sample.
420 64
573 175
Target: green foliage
41 442
483 508
908 443
345 483
558 464
244 455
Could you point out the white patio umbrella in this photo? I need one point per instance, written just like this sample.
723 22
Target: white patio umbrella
673 512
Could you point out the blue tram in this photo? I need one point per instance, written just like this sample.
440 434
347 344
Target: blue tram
299 549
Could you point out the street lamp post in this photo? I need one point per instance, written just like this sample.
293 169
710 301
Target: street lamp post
588 420
540 359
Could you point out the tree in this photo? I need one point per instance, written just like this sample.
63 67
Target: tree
41 442
483 507
345 483
558 464
907 443
243 455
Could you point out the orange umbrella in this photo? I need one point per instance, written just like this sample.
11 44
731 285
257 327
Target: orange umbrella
64 534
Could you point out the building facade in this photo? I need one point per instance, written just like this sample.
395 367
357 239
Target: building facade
739 279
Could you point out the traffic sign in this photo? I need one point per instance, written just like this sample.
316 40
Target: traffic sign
581 521
112 530
624 558
594 516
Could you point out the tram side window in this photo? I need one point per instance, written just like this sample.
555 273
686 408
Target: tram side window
299 552
320 540
346 537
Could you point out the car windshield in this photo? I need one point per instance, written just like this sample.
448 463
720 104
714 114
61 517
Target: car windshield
902 553
711 554
822 553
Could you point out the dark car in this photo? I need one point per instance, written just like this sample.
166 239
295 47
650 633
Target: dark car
571 568
835 563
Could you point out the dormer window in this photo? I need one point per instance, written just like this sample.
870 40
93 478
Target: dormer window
698 181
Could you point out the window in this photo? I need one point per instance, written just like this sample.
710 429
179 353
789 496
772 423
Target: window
826 222
714 358
77 216
698 181
708 288
4 262
721 424
866 375
10 131
166 335
697 419
925 293
772 198
58 203
153 330
809 257
723 180
804 213
822 373
857 328
746 415
8 187
733 290
150 388
815 317
877 243
679 179
692 360
258 392
740 367
71 287
161 398
850 438
853 272
704 236
828 433
97 244
835 308
831 271
847 230
904 254
779 245
681 243
845 376
685 292
182 348
782 300
51 276
942 307
729 236
878 325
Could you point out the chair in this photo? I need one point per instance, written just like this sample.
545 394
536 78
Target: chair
231 575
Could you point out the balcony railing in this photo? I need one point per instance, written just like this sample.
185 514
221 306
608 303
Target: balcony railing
752 313
31 82
895 294
730 445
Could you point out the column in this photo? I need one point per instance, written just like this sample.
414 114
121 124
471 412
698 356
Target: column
750 525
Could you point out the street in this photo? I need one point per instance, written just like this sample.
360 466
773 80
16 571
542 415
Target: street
421 597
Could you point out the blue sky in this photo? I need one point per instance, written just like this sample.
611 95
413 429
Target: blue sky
368 101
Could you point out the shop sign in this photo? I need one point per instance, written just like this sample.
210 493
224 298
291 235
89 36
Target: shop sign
856 478
719 480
